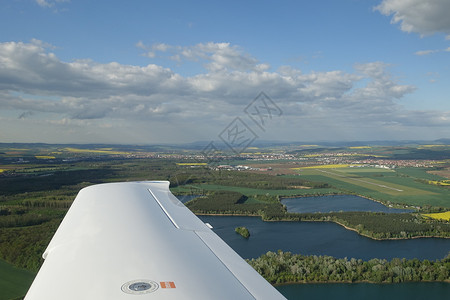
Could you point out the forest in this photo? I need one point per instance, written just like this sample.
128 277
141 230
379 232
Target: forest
285 267
241 179
233 203
34 198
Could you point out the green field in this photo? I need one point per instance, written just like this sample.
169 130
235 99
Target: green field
402 186
419 173
14 282
367 171
35 192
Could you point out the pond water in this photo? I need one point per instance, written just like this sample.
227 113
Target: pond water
367 291
326 238
319 238
335 203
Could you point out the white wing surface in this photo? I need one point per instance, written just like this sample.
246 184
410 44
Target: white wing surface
135 240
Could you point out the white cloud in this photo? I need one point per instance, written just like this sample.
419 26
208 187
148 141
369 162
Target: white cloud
223 56
161 47
382 90
420 16
215 56
30 68
327 86
43 3
425 52
151 50
36 86
50 3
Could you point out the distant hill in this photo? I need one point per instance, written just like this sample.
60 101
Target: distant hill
220 145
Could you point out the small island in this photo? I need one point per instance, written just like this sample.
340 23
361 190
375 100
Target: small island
243 231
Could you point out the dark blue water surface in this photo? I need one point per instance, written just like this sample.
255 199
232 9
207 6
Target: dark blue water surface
335 203
367 291
319 238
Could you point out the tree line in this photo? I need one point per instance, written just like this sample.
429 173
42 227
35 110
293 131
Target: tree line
284 267
241 179
229 202
378 225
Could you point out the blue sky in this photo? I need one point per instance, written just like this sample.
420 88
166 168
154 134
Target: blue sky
182 71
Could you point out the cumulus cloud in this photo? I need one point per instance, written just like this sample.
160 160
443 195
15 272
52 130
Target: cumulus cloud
428 52
35 82
425 52
382 85
419 16
214 56
30 68
151 50
43 3
367 97
221 56
50 3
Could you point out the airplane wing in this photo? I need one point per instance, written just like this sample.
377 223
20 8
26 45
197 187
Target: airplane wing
135 240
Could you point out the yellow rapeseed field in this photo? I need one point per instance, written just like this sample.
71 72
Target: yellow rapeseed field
431 146
440 216
440 182
45 157
75 150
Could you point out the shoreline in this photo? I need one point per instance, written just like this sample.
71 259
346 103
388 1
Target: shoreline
388 239
356 282
331 221
348 194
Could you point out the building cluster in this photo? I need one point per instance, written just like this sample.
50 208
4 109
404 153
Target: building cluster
327 158
239 168
350 159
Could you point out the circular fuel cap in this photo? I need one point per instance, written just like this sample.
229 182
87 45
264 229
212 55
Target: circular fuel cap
140 286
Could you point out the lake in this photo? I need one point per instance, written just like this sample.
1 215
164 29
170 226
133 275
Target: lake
335 203
367 291
321 238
